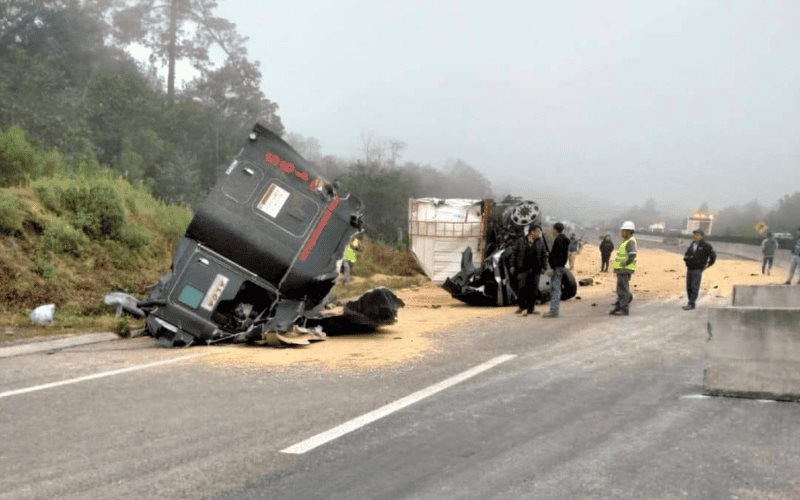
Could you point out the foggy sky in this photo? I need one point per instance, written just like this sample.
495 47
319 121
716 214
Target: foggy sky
613 102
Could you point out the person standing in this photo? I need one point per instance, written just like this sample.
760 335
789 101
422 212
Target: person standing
624 267
606 249
557 260
768 248
530 260
349 260
573 249
795 262
699 257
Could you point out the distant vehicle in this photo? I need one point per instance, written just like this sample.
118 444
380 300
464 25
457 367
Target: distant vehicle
783 236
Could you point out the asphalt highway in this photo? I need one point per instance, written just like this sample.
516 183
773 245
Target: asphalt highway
584 406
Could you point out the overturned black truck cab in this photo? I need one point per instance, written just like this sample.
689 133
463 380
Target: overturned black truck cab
260 253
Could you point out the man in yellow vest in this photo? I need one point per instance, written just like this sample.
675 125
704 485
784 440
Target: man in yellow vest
624 267
349 260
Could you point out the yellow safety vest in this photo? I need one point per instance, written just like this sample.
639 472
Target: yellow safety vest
350 252
622 256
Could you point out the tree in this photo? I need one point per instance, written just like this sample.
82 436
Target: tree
784 218
176 29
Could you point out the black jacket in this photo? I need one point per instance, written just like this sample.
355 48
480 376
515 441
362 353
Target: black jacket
529 256
606 248
560 251
704 255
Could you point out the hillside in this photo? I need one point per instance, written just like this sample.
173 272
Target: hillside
69 238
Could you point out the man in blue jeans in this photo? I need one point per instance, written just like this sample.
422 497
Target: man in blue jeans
559 254
795 262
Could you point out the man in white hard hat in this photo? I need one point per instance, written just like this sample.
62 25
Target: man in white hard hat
624 267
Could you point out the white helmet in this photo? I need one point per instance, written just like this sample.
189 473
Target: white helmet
628 224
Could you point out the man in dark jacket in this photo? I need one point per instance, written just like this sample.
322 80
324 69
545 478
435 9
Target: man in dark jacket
606 249
559 254
699 257
768 248
529 262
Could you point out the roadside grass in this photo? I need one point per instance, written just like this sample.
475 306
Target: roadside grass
68 239
379 258
353 290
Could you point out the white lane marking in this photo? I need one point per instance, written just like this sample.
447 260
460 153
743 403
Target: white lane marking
17 392
366 419
695 396
55 345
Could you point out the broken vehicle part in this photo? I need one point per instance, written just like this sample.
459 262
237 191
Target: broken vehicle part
124 303
492 284
259 253
373 309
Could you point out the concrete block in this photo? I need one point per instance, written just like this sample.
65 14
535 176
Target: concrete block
766 296
753 352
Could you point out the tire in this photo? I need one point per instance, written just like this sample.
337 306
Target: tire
569 287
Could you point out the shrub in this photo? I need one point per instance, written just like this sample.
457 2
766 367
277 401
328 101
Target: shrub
12 213
173 221
46 269
61 237
135 236
379 258
50 197
98 210
18 158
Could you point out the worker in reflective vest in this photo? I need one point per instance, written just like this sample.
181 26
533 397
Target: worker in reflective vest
624 267
349 260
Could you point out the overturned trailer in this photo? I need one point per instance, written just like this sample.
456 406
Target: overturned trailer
259 256
441 229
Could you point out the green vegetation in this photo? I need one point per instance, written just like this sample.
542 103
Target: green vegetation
379 258
71 237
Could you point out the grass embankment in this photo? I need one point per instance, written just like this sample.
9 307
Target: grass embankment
382 265
70 239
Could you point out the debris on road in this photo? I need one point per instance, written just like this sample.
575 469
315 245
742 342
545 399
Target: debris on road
586 282
124 303
43 315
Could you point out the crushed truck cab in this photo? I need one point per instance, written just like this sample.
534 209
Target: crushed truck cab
260 253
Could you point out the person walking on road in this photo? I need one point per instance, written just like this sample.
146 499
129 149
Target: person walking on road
795 262
573 249
768 248
530 260
606 249
557 260
699 257
624 267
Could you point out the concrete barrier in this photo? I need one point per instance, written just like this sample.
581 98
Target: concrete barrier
753 352
782 258
766 296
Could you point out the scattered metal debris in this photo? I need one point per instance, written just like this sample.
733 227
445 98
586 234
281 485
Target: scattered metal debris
258 260
586 282
124 303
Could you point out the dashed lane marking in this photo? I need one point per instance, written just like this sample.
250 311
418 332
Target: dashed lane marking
366 419
86 378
